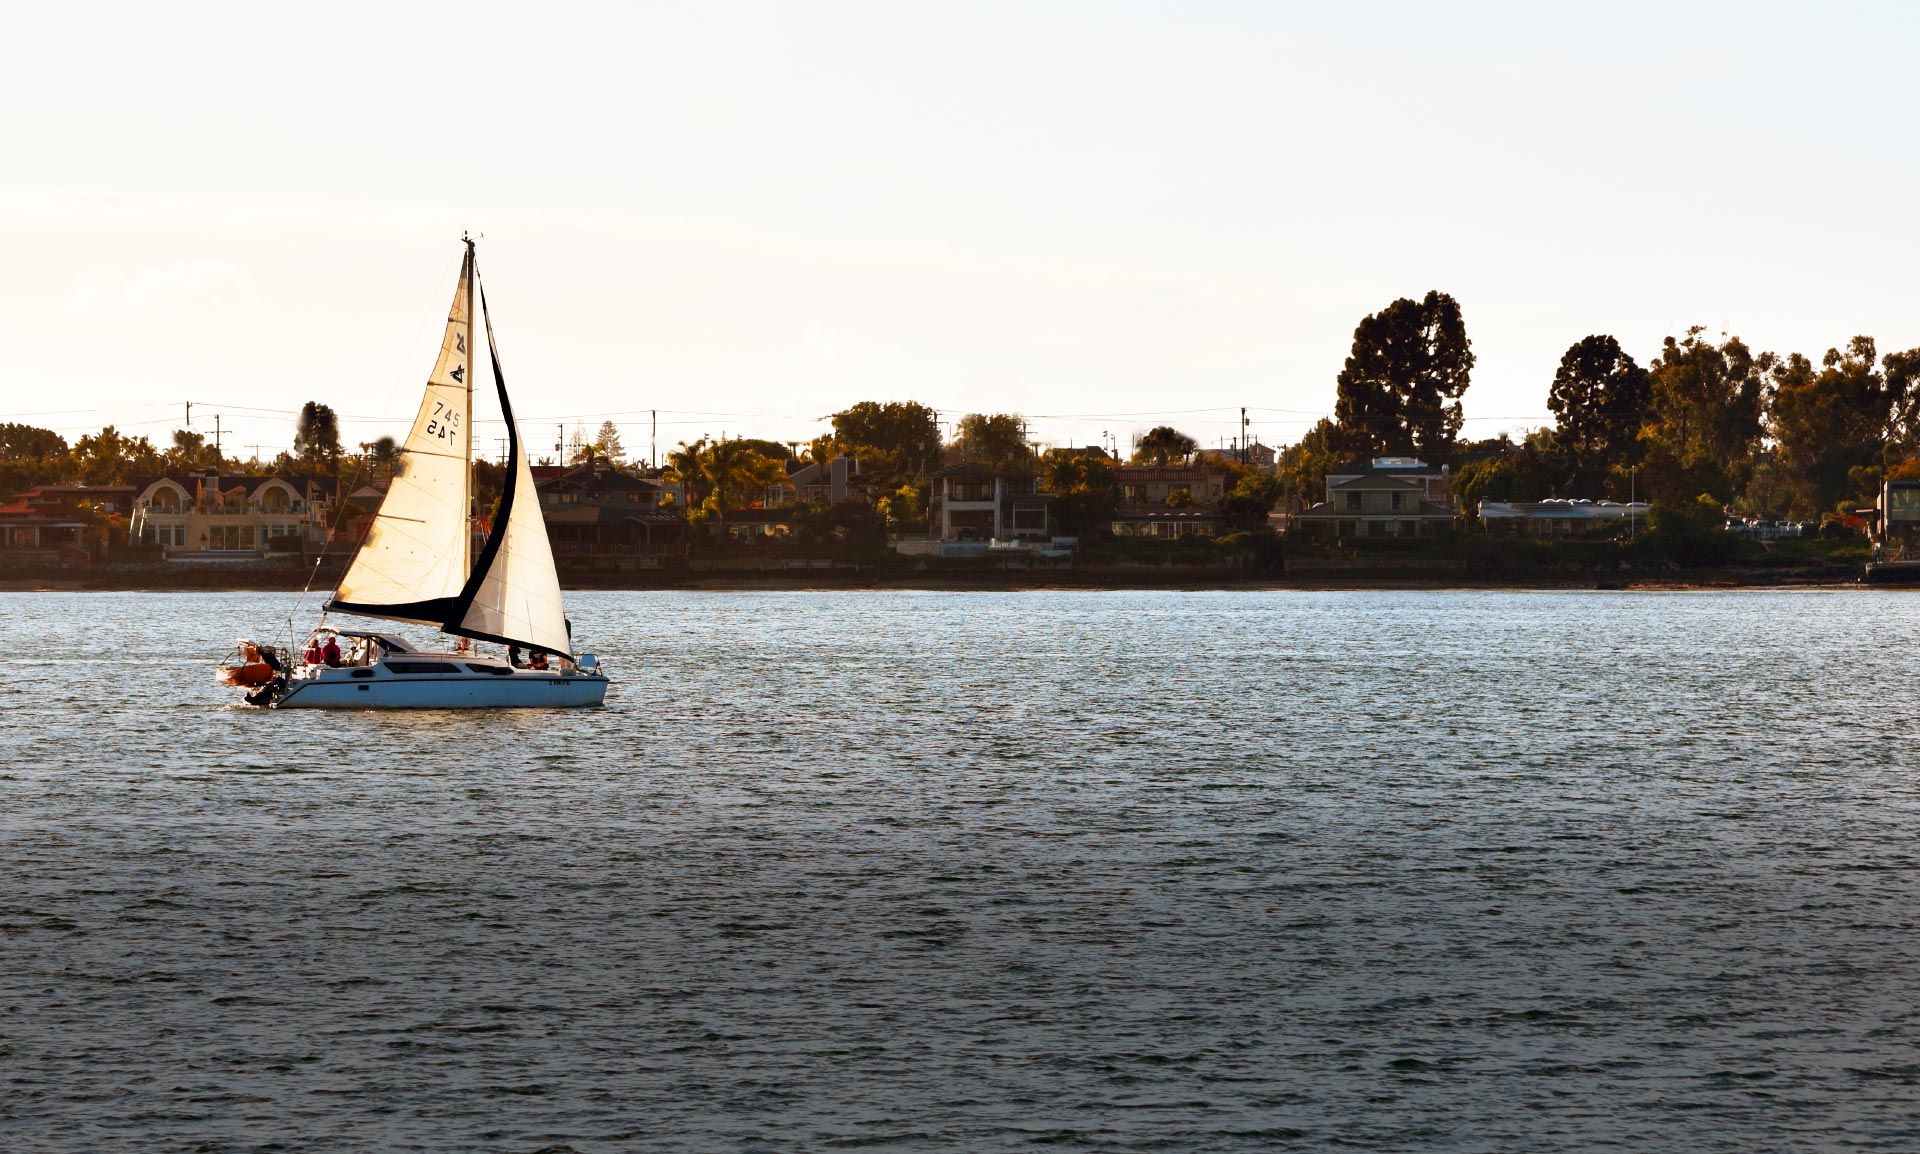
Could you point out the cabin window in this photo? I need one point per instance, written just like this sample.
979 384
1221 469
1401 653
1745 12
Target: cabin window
421 667
496 670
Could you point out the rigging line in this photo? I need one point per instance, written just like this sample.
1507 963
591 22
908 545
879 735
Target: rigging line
339 512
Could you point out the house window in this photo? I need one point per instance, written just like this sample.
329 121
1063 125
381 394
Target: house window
1396 500
1353 502
969 491
569 498
633 498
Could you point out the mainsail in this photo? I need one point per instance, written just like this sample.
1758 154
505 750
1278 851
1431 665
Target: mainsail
413 562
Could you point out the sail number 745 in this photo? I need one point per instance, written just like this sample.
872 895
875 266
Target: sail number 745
444 423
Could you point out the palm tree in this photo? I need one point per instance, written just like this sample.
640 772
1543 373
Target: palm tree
686 465
736 471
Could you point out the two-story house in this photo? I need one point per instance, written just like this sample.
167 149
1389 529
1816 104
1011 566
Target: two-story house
60 524
1168 501
204 516
819 483
1383 497
975 503
597 510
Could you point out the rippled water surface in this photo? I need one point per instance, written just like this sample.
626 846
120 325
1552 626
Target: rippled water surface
1115 871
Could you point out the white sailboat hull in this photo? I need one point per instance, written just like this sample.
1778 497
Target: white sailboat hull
379 688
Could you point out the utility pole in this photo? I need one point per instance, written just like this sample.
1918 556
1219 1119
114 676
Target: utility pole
189 414
1243 434
653 440
216 434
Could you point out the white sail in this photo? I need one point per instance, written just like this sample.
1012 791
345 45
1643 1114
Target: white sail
413 563
514 594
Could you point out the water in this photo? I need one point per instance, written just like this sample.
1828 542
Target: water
1112 871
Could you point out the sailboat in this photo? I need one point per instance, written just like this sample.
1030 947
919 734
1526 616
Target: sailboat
417 565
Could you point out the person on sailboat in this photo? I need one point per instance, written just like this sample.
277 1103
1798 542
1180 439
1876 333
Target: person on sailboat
312 656
330 652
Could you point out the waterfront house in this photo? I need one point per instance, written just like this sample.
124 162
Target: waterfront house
757 524
63 525
816 483
1382 497
1895 522
597 511
1168 501
205 516
973 502
1559 518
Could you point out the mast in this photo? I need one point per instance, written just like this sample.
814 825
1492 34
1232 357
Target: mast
472 502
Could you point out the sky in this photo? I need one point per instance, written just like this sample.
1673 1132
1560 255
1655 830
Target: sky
1104 216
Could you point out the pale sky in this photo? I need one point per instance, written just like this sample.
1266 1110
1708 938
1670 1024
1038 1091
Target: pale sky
1103 215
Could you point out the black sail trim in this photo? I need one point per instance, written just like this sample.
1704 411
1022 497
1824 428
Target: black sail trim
451 623
432 611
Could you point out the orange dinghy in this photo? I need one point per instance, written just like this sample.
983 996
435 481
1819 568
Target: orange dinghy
250 670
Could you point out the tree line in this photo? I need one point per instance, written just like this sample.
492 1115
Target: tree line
898 446
1758 432
1762 433
32 456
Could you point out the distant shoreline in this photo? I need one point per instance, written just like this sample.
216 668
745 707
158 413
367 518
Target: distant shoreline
1019 582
